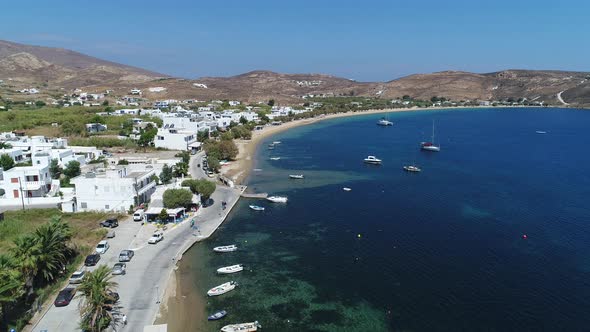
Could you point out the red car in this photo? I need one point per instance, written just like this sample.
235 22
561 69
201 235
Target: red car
64 297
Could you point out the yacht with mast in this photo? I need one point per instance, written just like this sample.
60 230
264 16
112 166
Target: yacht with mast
430 146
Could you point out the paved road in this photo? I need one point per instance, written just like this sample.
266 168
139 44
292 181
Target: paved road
142 288
197 172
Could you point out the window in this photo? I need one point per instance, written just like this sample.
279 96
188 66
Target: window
14 180
15 193
83 205
106 207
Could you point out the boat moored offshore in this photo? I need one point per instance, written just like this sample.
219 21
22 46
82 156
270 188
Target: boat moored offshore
412 168
242 327
256 207
372 160
384 122
229 248
222 289
218 315
230 269
277 199
296 176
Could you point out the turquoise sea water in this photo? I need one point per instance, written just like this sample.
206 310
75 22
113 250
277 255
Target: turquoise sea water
442 250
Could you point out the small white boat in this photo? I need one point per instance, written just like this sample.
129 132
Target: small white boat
296 176
346 189
384 122
242 327
372 160
256 207
230 248
541 132
275 158
230 269
222 289
218 315
277 199
411 168
276 142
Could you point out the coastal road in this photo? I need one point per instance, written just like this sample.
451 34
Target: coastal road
195 171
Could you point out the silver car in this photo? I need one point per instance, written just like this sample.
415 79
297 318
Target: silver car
126 255
119 268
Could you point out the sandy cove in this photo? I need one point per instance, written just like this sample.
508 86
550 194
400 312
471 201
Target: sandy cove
238 170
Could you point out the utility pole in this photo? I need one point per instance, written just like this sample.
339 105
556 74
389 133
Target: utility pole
22 197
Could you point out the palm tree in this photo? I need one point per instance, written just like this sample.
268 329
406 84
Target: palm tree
11 285
98 301
25 254
51 251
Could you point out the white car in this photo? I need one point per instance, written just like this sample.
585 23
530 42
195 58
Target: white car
102 247
138 215
77 277
157 237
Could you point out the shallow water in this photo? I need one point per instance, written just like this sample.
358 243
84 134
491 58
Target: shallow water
442 250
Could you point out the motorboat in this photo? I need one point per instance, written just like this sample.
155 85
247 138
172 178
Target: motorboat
346 189
411 168
218 315
296 176
276 142
222 289
229 248
541 132
429 146
230 269
242 327
277 199
384 122
256 207
372 160
275 158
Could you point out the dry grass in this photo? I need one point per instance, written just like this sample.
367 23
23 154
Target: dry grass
85 226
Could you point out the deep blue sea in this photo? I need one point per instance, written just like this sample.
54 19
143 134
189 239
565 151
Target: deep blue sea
441 250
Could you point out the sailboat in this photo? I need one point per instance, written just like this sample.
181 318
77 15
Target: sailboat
384 122
429 146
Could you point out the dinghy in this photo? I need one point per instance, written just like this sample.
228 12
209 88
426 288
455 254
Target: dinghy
218 315
243 327
222 289
229 248
230 269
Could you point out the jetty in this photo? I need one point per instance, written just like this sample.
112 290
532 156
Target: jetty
254 195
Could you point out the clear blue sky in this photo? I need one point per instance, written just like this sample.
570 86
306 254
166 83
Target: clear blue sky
364 39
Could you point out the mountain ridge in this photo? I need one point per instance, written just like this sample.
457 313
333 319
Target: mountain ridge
58 68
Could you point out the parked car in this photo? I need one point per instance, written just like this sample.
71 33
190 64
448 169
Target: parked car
126 255
91 260
113 298
110 234
102 247
119 268
138 215
77 277
110 223
157 237
64 297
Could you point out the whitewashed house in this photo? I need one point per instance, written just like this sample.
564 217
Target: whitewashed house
234 103
95 127
63 157
115 189
26 182
16 154
176 139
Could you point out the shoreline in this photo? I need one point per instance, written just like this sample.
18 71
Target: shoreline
239 169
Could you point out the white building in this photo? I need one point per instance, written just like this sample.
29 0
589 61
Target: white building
115 189
176 139
63 157
190 124
26 182
234 103
16 154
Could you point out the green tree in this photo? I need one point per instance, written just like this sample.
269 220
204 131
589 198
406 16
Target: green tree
105 103
70 128
213 163
6 162
11 286
52 250
271 102
54 169
72 169
163 216
98 302
40 103
174 198
123 162
180 169
11 116
228 150
166 175
185 155
4 145
203 135
25 253
205 189
147 137
243 120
